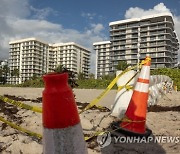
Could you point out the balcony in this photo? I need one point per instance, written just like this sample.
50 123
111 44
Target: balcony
143 45
134 31
118 33
143 29
134 36
143 34
134 41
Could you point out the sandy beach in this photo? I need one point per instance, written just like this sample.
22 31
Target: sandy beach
163 120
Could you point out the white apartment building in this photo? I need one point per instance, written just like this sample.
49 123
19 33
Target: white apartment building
29 57
153 35
71 55
33 57
103 62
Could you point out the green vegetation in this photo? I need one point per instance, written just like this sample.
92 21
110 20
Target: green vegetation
3 74
102 83
96 83
33 82
15 72
71 80
122 65
38 81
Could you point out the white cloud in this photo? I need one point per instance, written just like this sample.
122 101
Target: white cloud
13 8
97 28
26 26
18 20
42 13
137 12
89 16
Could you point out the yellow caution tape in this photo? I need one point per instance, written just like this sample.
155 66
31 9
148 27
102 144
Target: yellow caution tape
86 138
96 100
128 87
148 59
21 105
20 128
100 107
119 88
125 119
93 103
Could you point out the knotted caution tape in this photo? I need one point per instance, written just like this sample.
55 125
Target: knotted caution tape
120 88
148 59
105 92
128 87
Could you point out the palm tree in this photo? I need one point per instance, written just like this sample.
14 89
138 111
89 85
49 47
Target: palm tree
81 76
1 76
5 72
15 72
122 65
71 75
59 69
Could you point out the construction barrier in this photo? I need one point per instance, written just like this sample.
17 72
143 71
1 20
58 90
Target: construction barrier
160 85
62 129
124 93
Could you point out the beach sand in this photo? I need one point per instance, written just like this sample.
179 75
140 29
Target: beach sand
163 120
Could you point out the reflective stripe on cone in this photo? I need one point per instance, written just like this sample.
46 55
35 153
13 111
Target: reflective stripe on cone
135 116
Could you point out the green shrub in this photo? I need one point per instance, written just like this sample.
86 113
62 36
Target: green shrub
94 83
37 82
91 83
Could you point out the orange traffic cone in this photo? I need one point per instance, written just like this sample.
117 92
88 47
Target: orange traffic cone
135 116
62 128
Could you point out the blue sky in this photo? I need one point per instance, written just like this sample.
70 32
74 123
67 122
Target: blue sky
81 21
74 13
78 14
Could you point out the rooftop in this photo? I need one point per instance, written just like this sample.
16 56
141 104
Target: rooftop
102 42
27 39
142 18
